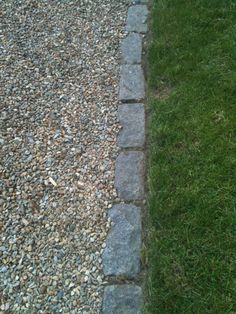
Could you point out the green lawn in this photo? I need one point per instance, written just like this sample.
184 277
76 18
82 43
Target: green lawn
191 253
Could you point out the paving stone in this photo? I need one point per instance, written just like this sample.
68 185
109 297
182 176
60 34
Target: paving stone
129 175
131 49
137 19
122 299
121 257
131 83
132 119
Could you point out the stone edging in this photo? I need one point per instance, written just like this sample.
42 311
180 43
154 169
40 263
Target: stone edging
121 257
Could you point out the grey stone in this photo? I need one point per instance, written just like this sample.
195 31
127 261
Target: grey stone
3 269
132 119
121 257
138 1
131 49
131 83
122 299
129 175
137 19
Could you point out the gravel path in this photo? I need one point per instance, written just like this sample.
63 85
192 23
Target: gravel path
58 127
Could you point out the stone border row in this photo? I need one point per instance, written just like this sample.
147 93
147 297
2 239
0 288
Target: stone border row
121 256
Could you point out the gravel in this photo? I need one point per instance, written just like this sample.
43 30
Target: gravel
58 126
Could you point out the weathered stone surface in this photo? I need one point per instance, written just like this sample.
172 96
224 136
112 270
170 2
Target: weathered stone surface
132 119
122 253
131 49
131 83
137 19
129 172
138 1
122 299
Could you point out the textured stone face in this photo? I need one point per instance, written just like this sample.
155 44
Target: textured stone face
122 299
129 180
132 119
122 253
137 19
138 1
131 49
131 83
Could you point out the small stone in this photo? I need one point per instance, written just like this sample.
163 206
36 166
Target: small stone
99 279
43 289
3 248
81 185
60 294
7 307
3 269
25 222
125 299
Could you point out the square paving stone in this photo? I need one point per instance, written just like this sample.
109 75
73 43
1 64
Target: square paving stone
131 83
131 49
137 19
129 175
121 256
122 299
132 119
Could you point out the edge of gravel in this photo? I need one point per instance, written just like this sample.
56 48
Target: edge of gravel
122 254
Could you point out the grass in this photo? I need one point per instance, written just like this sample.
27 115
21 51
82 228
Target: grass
192 158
